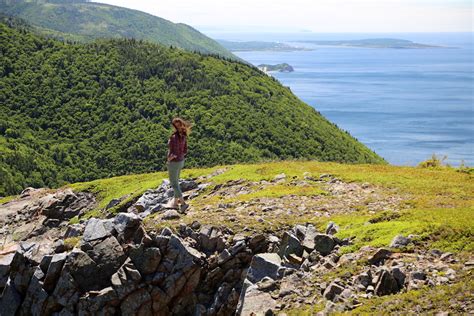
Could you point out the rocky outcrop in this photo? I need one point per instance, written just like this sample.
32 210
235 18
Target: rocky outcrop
113 266
154 200
118 268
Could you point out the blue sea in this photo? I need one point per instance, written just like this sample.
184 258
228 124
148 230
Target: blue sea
405 104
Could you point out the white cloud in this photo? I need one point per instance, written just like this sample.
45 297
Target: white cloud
316 15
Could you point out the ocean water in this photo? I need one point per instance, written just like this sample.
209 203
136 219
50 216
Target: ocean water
405 104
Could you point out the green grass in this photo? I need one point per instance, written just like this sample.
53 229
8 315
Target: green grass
133 185
273 191
439 205
439 298
449 230
7 199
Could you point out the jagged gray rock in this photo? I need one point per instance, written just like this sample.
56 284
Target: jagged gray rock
210 239
290 244
332 290
5 262
153 200
145 259
74 230
400 241
332 228
10 300
379 256
36 297
171 214
65 204
54 271
324 244
97 229
264 265
386 283
252 301
399 275
364 279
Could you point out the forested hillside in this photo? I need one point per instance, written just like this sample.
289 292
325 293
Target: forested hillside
79 20
74 112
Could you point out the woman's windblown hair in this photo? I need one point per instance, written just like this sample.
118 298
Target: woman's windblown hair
183 127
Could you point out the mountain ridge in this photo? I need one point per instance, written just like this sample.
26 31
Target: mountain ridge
85 21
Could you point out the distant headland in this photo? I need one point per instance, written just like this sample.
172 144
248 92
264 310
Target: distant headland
260 46
279 67
374 43
390 43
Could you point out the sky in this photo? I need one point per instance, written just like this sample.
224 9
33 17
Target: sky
364 16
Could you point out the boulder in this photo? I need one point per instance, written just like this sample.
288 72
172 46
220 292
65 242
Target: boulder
126 279
418 275
279 177
153 200
98 229
10 300
210 239
59 246
171 214
65 294
290 244
379 256
21 271
5 262
103 302
187 185
125 221
66 204
258 243
137 303
332 228
145 259
399 242
74 230
54 271
84 272
324 244
264 265
36 297
252 301
308 241
332 290
364 279
386 283
399 276
299 231
108 256
240 246
267 284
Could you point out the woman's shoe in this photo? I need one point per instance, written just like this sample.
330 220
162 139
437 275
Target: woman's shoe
171 205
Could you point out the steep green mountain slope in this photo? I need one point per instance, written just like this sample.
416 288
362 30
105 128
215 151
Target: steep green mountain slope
75 112
85 21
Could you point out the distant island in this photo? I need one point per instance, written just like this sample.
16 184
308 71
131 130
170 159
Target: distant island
260 46
279 67
374 43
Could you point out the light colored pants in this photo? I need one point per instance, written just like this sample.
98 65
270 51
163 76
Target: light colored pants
174 168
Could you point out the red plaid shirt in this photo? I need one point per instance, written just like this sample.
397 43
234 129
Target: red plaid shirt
178 147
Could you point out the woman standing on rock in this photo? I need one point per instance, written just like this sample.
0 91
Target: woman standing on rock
177 150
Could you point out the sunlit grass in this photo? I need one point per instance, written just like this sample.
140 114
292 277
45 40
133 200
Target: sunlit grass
439 298
7 199
133 185
439 205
